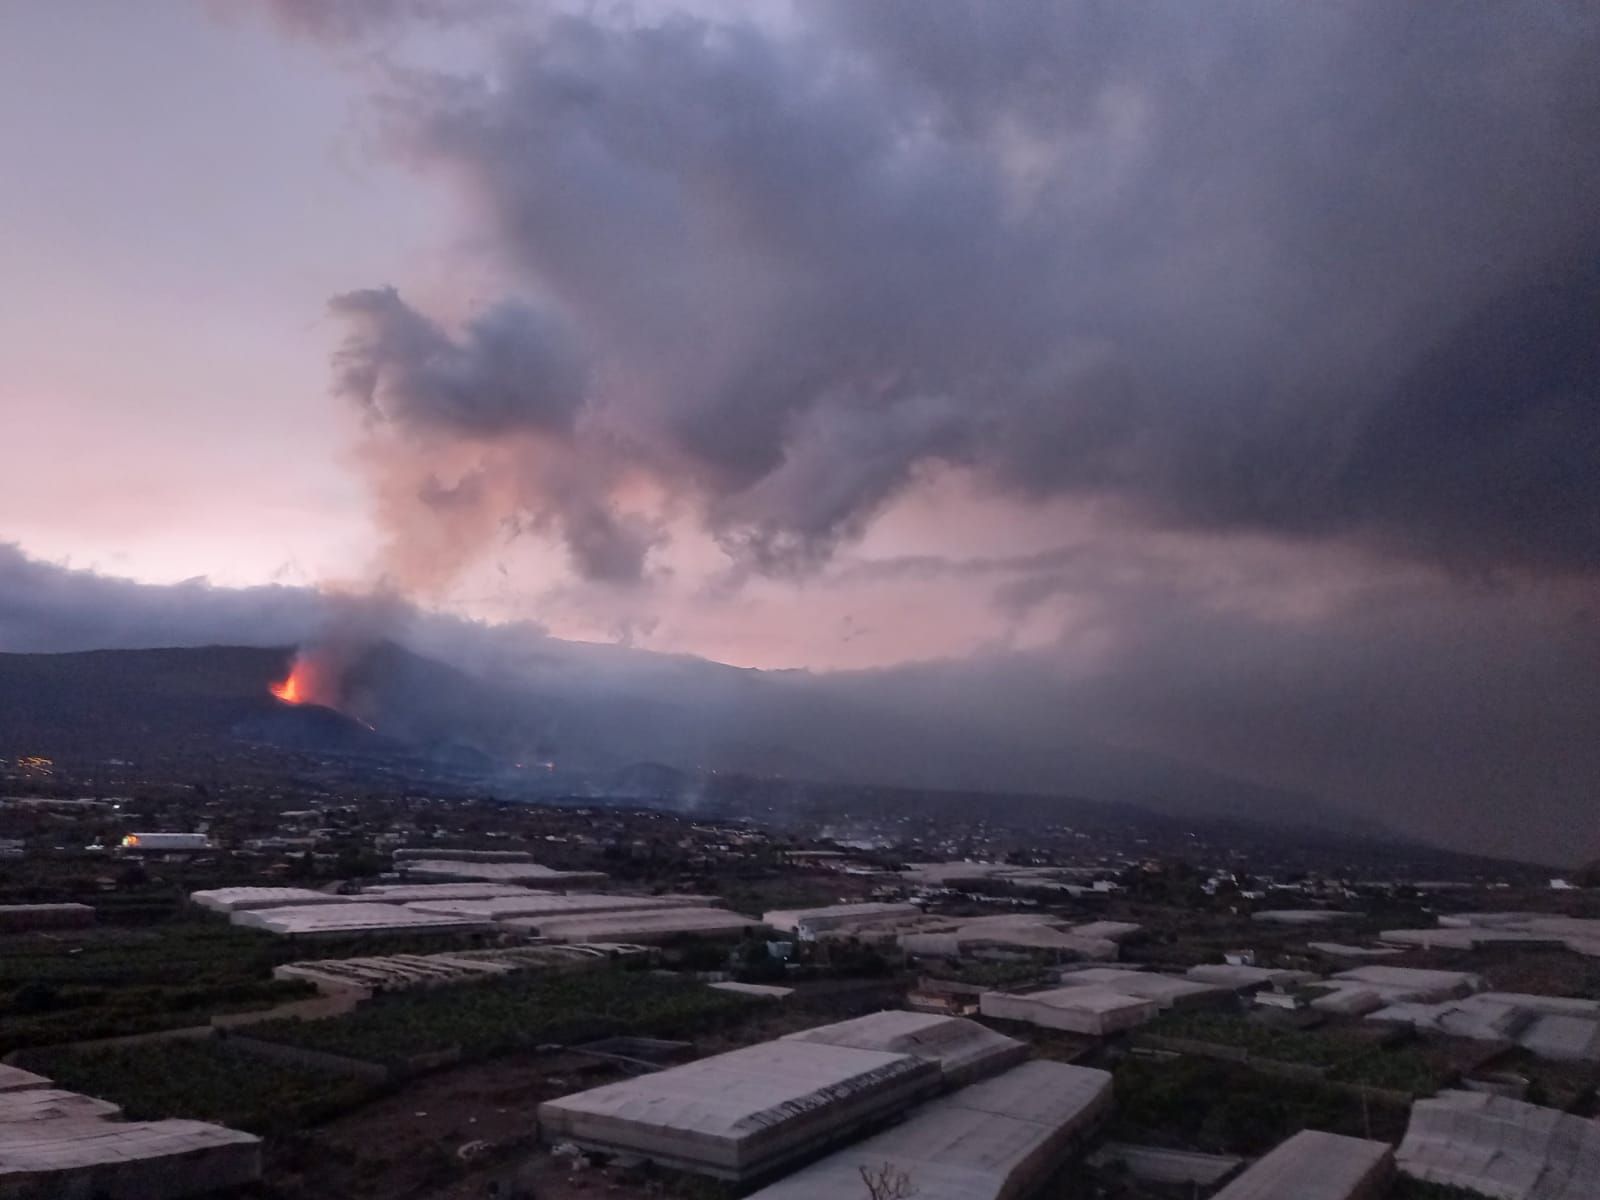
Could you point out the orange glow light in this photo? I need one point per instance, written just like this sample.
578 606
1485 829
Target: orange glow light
289 690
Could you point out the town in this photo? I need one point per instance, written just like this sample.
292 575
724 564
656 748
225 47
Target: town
248 990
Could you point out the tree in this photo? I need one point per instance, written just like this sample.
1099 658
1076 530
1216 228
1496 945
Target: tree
887 1182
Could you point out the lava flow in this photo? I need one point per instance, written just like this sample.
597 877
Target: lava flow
289 690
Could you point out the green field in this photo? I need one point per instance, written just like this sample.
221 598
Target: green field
485 1018
1355 1057
204 1081
1223 1108
108 982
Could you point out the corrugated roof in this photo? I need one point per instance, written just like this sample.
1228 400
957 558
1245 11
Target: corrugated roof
1313 1165
988 1141
1502 1148
963 1049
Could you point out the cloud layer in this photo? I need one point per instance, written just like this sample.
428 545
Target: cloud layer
1320 272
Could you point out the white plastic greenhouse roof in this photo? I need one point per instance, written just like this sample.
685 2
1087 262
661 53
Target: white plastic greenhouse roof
355 917
1502 1148
1426 984
15 1079
405 893
1313 1165
550 904
635 925
40 1147
498 872
991 1140
237 899
1164 989
738 1114
963 1049
51 1104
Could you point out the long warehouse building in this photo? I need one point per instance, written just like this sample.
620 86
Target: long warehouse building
740 1115
1313 1165
994 1140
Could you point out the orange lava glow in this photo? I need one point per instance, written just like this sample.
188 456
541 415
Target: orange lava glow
289 690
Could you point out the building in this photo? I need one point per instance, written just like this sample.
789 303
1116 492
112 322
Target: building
495 871
166 843
637 926
343 920
254 899
57 1145
808 923
1087 1009
1555 1027
1504 1148
19 918
740 1115
1242 978
1010 934
407 893
393 972
994 1140
1411 984
1313 1165
1303 916
529 907
963 1050
1168 991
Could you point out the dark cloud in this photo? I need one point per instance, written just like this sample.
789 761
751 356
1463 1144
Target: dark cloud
515 369
1311 270
45 607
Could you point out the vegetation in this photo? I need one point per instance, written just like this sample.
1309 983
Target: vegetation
204 1081
526 1010
113 982
1406 1188
1223 1108
1345 1056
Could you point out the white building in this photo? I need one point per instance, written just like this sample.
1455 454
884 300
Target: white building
993 1140
1088 1009
1313 1165
742 1114
808 923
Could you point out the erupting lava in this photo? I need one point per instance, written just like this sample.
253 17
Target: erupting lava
289 690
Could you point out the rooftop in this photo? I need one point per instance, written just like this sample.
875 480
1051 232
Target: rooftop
963 1049
735 1113
1313 1165
1501 1147
635 925
236 899
355 917
988 1141
550 904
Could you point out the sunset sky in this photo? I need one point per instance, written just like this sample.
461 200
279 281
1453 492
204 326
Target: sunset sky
1236 360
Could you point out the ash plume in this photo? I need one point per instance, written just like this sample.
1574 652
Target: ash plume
1318 272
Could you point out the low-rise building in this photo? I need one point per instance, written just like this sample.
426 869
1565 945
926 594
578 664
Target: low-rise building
1001 1138
1313 1165
330 920
742 1114
964 1050
1494 1146
254 899
62 1146
639 926
1087 1009
808 923
1168 991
